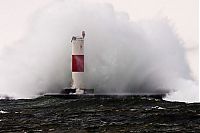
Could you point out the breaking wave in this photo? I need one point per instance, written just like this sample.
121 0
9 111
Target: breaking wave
121 55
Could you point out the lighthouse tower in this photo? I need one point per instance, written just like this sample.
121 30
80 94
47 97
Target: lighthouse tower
78 68
77 63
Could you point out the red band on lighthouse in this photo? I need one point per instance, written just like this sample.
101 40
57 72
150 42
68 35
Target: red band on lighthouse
77 63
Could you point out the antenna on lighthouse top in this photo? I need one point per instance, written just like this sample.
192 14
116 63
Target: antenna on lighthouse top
83 34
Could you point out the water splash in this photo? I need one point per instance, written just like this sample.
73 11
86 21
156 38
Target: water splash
121 55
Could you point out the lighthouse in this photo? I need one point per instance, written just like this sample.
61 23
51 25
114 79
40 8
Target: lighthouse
78 68
77 63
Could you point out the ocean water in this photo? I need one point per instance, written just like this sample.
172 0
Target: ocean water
98 114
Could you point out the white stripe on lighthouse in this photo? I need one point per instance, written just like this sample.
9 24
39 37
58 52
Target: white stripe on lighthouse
78 46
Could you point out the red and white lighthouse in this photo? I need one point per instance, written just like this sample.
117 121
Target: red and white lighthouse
77 63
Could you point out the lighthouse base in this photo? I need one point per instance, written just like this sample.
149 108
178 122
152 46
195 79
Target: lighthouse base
79 96
69 91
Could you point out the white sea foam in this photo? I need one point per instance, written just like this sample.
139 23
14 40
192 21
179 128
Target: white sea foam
3 112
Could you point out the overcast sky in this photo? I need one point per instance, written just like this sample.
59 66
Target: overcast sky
183 14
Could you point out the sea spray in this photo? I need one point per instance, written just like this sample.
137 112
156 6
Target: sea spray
121 55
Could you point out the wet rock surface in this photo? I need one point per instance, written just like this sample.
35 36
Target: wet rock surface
122 114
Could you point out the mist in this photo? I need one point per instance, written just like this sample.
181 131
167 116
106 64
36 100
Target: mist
121 56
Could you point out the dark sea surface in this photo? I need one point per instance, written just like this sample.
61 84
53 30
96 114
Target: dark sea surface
98 114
